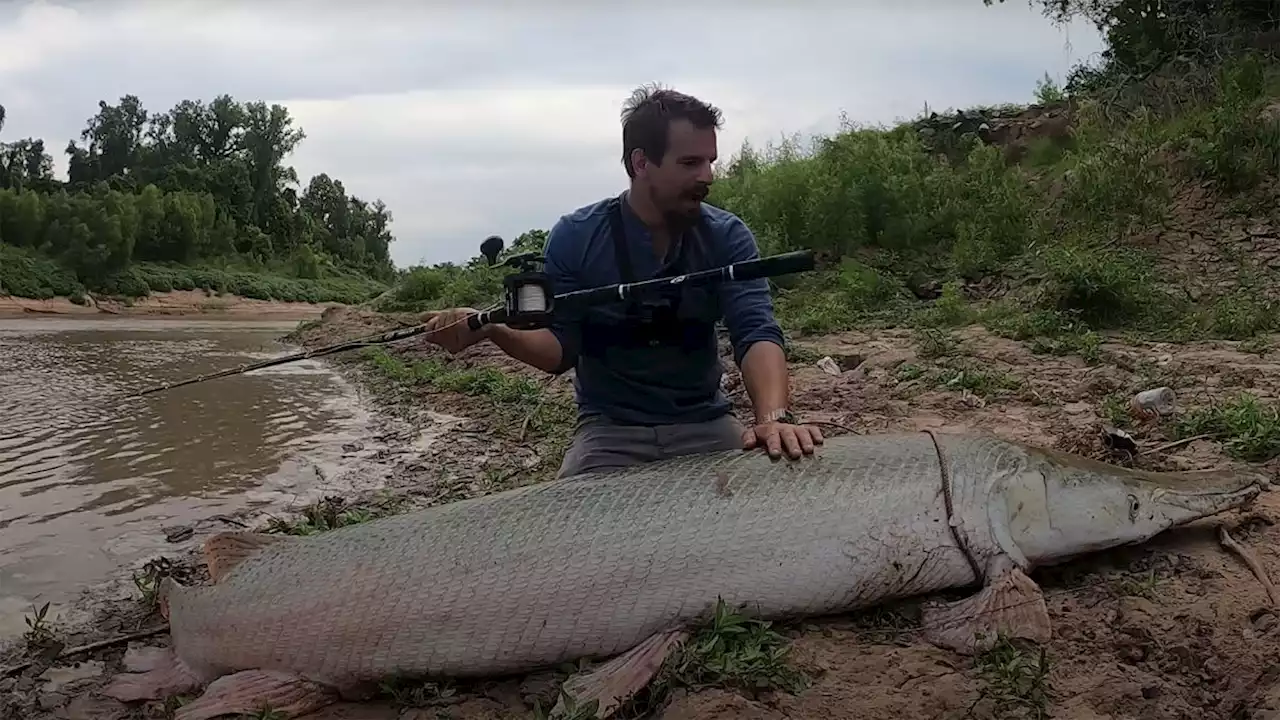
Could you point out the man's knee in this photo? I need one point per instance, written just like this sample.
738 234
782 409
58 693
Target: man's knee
722 433
598 444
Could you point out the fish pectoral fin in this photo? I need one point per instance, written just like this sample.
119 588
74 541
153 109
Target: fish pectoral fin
224 551
615 681
1010 604
157 673
255 691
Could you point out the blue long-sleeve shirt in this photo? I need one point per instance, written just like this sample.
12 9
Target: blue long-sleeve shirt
651 383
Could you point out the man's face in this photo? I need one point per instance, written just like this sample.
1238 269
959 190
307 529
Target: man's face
681 182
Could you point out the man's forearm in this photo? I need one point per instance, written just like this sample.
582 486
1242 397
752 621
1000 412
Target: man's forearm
764 373
539 348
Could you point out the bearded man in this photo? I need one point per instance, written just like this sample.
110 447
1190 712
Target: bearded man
647 374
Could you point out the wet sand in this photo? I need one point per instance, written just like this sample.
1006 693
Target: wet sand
176 302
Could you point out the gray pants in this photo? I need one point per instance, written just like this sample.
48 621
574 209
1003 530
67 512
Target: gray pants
599 443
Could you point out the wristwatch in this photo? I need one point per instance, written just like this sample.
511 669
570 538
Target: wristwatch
780 415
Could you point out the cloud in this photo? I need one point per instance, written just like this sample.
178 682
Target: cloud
498 116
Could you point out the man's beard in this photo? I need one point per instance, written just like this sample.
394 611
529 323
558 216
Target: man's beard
681 218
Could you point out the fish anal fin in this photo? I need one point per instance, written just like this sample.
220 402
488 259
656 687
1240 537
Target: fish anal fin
249 692
616 681
1010 604
224 551
157 674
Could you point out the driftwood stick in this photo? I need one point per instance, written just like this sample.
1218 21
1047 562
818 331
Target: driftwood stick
1252 561
1175 444
90 647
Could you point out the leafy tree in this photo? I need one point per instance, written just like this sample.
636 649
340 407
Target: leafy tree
205 183
1143 35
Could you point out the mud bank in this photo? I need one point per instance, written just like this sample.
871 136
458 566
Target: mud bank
176 302
1174 629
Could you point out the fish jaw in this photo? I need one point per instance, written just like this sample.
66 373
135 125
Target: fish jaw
1059 506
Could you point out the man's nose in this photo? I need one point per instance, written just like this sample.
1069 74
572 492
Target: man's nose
706 175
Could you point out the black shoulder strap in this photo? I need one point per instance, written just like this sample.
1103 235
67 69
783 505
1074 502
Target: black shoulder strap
701 239
620 241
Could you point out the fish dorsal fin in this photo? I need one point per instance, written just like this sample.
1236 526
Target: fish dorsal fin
224 551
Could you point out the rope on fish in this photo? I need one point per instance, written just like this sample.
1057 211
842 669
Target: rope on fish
945 470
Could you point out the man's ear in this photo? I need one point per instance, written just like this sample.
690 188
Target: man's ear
639 162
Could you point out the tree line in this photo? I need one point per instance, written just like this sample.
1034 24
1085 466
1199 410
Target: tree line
1144 36
204 183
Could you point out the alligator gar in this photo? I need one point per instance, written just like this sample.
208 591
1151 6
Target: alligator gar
623 564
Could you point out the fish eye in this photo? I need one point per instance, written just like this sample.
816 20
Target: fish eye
1133 508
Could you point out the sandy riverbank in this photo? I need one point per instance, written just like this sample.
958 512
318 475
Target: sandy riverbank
176 302
1174 629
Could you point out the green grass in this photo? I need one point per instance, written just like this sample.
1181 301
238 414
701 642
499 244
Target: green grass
1015 677
516 406
732 651
328 513
984 383
1247 427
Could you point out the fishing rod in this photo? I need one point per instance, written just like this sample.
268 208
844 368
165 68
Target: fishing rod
381 338
528 303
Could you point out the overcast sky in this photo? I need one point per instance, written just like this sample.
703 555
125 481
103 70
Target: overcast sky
481 117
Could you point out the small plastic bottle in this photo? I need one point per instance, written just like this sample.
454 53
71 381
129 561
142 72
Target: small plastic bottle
1154 403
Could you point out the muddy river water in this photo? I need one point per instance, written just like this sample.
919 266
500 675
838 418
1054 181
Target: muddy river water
91 479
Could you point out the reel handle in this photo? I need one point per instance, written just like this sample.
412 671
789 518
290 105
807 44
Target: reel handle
480 319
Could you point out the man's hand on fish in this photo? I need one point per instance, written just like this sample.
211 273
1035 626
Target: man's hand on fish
777 435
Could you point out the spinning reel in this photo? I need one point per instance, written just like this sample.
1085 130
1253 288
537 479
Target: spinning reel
527 300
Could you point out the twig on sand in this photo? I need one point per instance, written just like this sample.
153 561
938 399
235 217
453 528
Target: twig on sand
524 426
1251 560
90 647
828 423
1175 444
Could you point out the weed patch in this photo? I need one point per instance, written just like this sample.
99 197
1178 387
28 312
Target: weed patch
39 633
935 342
1102 286
513 404
1248 428
733 652
1051 332
983 383
1015 676
328 513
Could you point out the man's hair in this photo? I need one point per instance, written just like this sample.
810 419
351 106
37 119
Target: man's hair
647 116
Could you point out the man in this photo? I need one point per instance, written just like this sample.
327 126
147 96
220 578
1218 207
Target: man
648 372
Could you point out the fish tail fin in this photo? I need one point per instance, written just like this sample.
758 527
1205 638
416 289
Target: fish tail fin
225 550
614 682
254 691
154 673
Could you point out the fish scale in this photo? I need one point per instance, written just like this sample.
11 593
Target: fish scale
611 563
590 565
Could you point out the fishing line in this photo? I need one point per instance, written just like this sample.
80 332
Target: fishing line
381 338
112 404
